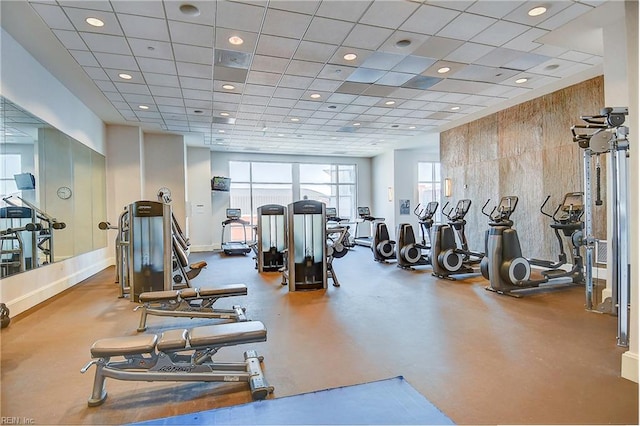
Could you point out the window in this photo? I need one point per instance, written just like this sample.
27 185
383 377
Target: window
429 185
333 184
254 184
11 165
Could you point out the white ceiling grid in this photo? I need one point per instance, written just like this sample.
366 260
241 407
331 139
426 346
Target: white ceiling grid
292 49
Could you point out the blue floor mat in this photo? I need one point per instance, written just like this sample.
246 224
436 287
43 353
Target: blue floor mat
390 401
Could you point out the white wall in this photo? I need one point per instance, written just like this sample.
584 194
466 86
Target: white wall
199 210
383 192
29 85
220 167
165 166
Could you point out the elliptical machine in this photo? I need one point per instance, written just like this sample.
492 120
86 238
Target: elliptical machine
509 273
383 247
446 258
408 252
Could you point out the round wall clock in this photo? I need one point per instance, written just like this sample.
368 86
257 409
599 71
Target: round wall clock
64 192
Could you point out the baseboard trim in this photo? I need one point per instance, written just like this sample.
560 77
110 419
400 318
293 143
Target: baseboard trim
629 368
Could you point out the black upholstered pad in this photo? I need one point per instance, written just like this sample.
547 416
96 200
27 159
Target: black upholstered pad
233 333
128 345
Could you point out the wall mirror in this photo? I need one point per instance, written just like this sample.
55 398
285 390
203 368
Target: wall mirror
52 193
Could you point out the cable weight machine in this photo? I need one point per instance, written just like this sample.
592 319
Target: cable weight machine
601 135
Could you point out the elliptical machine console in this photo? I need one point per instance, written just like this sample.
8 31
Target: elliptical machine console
509 272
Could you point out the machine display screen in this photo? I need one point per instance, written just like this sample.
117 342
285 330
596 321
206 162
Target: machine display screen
233 213
364 211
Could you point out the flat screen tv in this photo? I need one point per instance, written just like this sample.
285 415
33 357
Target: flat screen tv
219 183
25 181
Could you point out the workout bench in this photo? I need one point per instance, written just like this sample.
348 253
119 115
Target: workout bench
190 302
180 356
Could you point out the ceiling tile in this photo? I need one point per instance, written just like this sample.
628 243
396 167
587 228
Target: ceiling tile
315 52
486 74
367 37
186 33
285 24
152 8
395 79
195 54
106 43
108 60
166 100
465 26
324 30
254 89
498 57
189 82
295 82
106 86
190 69
269 64
428 20
53 16
500 33
365 75
382 61
397 42
70 39
460 86
405 93
173 92
352 88
526 61
388 14
138 89
336 72
366 100
437 47
346 10
263 78
565 16
454 67
284 103
243 17
196 94
276 46
469 53
413 64
162 66
421 82
84 58
304 68
161 79
325 85
144 27
525 42
151 48
230 75
302 6
493 8
288 93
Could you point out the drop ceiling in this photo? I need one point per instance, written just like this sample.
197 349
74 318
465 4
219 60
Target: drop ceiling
182 66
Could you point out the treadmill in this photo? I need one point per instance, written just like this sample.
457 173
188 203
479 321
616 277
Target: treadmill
364 215
235 247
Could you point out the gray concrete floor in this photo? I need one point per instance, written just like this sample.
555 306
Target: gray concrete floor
479 357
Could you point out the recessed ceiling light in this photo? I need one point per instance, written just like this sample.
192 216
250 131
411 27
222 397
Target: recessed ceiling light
281 134
143 107
333 138
455 108
224 114
235 40
444 70
350 56
189 9
220 131
315 95
94 22
356 124
125 76
522 80
390 102
295 119
537 11
228 86
412 127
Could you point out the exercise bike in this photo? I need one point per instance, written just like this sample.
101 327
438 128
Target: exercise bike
509 273
408 252
447 258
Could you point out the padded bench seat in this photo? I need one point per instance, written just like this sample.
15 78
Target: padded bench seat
194 293
199 337
128 345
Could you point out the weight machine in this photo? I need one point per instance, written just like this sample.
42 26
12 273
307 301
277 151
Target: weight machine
271 242
601 135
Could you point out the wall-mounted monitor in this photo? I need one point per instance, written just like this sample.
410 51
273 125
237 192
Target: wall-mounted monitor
25 181
219 183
